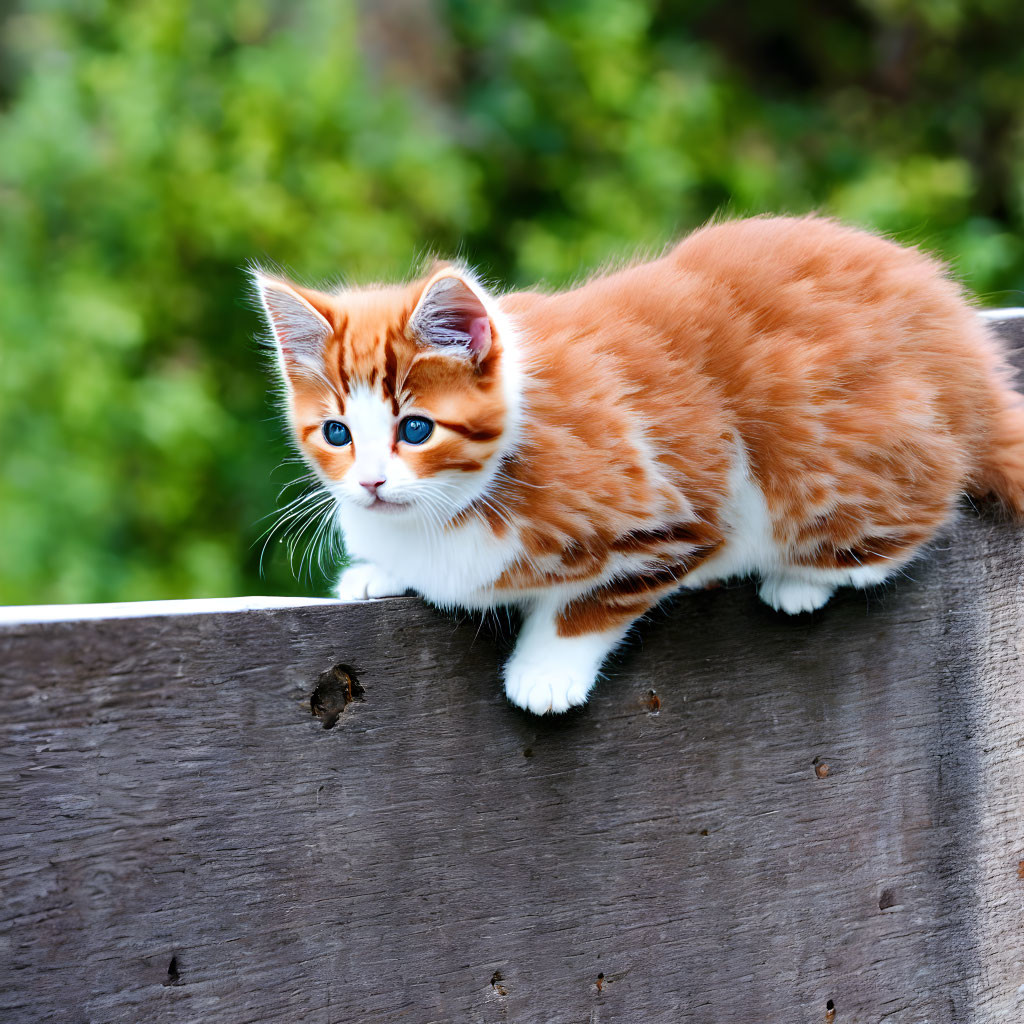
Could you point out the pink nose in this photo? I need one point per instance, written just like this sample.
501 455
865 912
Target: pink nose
371 486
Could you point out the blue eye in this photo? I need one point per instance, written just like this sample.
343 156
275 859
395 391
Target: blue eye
415 429
337 434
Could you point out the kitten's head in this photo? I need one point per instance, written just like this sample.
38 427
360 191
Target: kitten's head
403 398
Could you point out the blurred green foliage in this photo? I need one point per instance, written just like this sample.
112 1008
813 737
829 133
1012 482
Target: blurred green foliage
149 148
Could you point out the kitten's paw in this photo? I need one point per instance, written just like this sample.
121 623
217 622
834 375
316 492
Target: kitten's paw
364 581
794 596
540 686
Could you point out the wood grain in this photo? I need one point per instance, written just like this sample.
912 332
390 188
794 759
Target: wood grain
181 840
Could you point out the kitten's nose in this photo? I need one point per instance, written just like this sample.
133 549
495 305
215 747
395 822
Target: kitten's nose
371 486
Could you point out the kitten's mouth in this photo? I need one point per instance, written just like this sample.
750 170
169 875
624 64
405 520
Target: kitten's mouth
383 505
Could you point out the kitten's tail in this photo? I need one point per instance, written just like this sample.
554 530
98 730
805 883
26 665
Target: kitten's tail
1001 471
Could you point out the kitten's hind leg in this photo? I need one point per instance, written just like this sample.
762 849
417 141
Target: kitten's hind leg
794 594
552 672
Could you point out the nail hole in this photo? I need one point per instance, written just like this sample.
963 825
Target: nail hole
887 899
651 701
830 1012
528 752
335 690
704 832
173 974
600 981
496 984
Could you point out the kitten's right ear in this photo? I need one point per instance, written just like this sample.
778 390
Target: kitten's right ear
300 328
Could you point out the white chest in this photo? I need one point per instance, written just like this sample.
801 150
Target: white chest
450 568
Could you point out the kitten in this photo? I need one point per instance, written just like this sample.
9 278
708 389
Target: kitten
785 398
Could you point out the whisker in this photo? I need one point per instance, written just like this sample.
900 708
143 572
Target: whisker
294 519
326 523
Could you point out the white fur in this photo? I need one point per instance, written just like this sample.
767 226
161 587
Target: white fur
548 672
750 545
451 568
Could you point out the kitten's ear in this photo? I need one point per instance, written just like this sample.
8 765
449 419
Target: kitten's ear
299 327
451 315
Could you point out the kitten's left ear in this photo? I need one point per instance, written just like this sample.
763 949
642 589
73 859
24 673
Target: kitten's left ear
451 315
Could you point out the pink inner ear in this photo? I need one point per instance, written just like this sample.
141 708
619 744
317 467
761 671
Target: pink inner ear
480 336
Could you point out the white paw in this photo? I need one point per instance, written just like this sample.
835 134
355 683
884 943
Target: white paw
540 686
363 581
794 596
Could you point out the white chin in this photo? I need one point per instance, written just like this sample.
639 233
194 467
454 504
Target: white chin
382 506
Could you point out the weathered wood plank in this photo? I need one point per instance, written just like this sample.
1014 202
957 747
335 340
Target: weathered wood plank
168 796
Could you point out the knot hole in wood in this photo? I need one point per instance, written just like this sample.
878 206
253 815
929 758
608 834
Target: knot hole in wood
335 690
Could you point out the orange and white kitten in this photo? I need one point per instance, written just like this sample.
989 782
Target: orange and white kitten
785 398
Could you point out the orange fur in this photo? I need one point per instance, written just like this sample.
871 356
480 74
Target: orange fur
866 391
861 388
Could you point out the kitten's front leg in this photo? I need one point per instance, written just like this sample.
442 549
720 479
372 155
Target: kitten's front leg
552 672
364 580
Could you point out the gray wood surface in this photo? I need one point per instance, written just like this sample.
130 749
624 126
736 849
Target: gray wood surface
826 808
